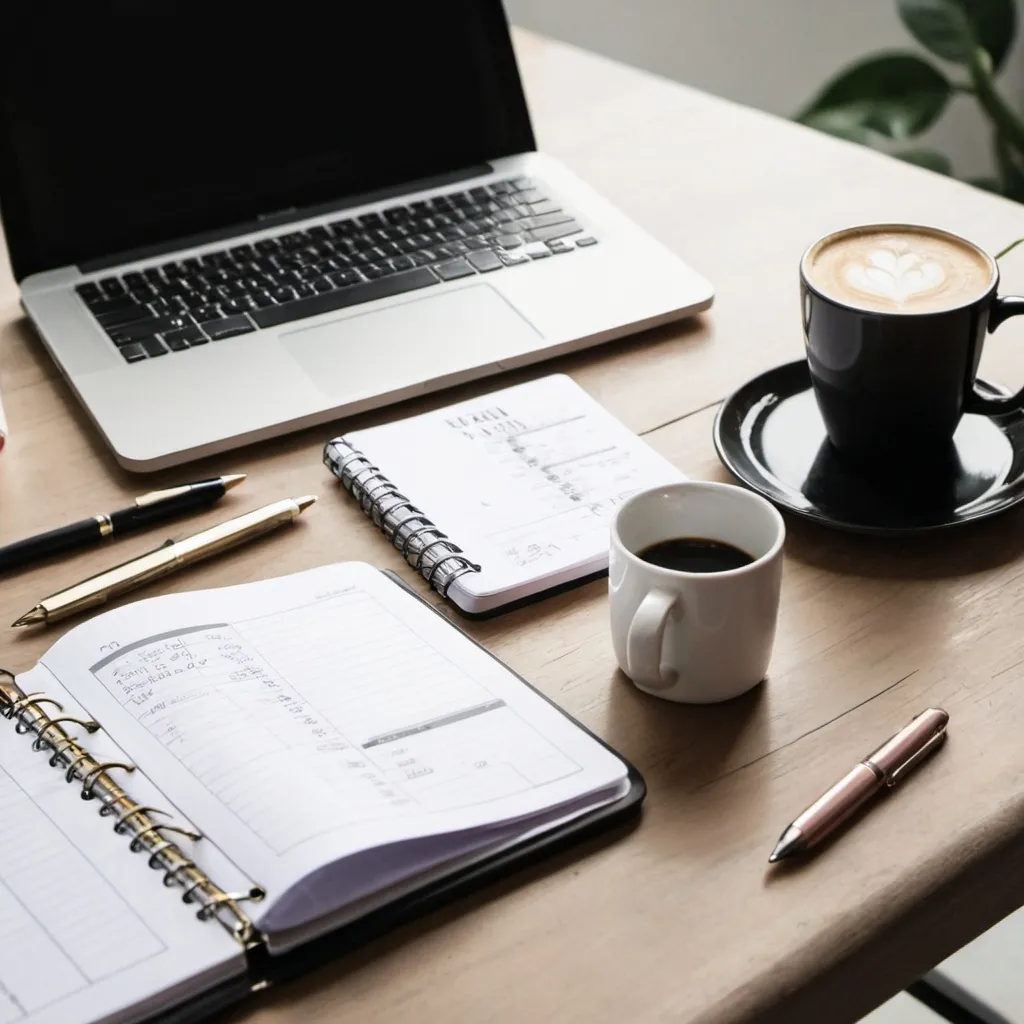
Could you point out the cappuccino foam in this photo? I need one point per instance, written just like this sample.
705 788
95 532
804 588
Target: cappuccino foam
898 270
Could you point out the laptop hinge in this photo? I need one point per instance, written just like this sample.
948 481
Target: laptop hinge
283 217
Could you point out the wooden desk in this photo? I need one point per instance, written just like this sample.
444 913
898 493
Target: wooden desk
680 921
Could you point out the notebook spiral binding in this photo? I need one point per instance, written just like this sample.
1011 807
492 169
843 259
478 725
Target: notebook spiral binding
429 551
32 715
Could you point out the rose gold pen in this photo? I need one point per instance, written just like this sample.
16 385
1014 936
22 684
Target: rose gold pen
880 770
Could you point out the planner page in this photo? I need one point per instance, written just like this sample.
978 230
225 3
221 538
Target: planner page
306 720
87 930
525 480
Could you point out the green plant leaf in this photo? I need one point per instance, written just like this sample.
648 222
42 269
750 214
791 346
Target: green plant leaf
929 158
987 184
1008 164
1009 248
897 95
843 123
949 28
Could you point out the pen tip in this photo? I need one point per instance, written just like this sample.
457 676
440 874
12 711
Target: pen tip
232 480
305 501
791 842
29 618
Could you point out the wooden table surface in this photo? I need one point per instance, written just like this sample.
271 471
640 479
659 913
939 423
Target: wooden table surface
679 920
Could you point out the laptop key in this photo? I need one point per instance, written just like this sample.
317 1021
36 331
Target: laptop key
112 287
126 315
154 347
536 209
229 327
175 344
183 338
202 314
344 278
514 258
133 353
140 329
101 306
393 284
88 291
545 220
587 240
454 269
485 261
552 232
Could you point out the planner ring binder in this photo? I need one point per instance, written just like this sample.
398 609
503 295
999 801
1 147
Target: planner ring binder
429 551
27 712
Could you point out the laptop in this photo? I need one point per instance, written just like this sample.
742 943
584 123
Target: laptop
227 225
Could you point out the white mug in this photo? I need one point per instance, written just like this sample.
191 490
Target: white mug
689 636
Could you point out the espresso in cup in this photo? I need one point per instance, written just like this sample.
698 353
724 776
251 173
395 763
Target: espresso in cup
894 319
696 554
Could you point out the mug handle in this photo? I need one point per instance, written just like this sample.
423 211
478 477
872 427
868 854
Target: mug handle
1002 309
645 637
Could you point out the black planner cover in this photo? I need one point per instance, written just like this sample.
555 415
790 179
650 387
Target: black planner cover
273 970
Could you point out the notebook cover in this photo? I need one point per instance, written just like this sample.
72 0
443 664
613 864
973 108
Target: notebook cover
466 880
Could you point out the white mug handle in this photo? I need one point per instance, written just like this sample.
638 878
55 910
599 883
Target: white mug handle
645 637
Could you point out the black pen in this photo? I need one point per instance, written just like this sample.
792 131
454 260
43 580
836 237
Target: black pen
149 508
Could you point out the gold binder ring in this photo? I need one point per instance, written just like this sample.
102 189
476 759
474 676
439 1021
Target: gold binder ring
255 894
21 726
60 749
91 777
169 879
15 706
69 775
157 830
87 724
130 813
186 896
154 854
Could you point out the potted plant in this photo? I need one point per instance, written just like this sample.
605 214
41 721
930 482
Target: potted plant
894 97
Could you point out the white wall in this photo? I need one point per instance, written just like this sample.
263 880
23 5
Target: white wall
772 54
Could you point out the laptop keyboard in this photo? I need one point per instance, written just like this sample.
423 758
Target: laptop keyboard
184 303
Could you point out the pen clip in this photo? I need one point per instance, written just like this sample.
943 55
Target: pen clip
916 758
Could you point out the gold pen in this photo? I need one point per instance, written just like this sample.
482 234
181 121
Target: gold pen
168 558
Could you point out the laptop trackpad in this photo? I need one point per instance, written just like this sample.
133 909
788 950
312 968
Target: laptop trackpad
420 339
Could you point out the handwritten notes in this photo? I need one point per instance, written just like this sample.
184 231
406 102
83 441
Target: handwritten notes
324 714
525 480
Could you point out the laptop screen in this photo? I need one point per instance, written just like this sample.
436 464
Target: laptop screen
126 125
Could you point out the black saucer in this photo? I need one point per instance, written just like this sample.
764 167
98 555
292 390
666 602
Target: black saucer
770 435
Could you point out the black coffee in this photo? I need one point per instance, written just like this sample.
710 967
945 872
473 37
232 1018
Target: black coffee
695 554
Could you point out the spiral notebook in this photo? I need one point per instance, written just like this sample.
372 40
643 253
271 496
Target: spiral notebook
504 497
205 793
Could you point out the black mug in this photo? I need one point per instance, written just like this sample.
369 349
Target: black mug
893 346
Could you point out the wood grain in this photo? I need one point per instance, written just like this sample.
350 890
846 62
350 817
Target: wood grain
680 920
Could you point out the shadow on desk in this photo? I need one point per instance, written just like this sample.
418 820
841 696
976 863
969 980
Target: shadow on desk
971 548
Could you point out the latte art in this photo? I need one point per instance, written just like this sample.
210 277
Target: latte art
889 269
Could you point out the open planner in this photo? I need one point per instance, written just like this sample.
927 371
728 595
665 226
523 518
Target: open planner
205 793
503 497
